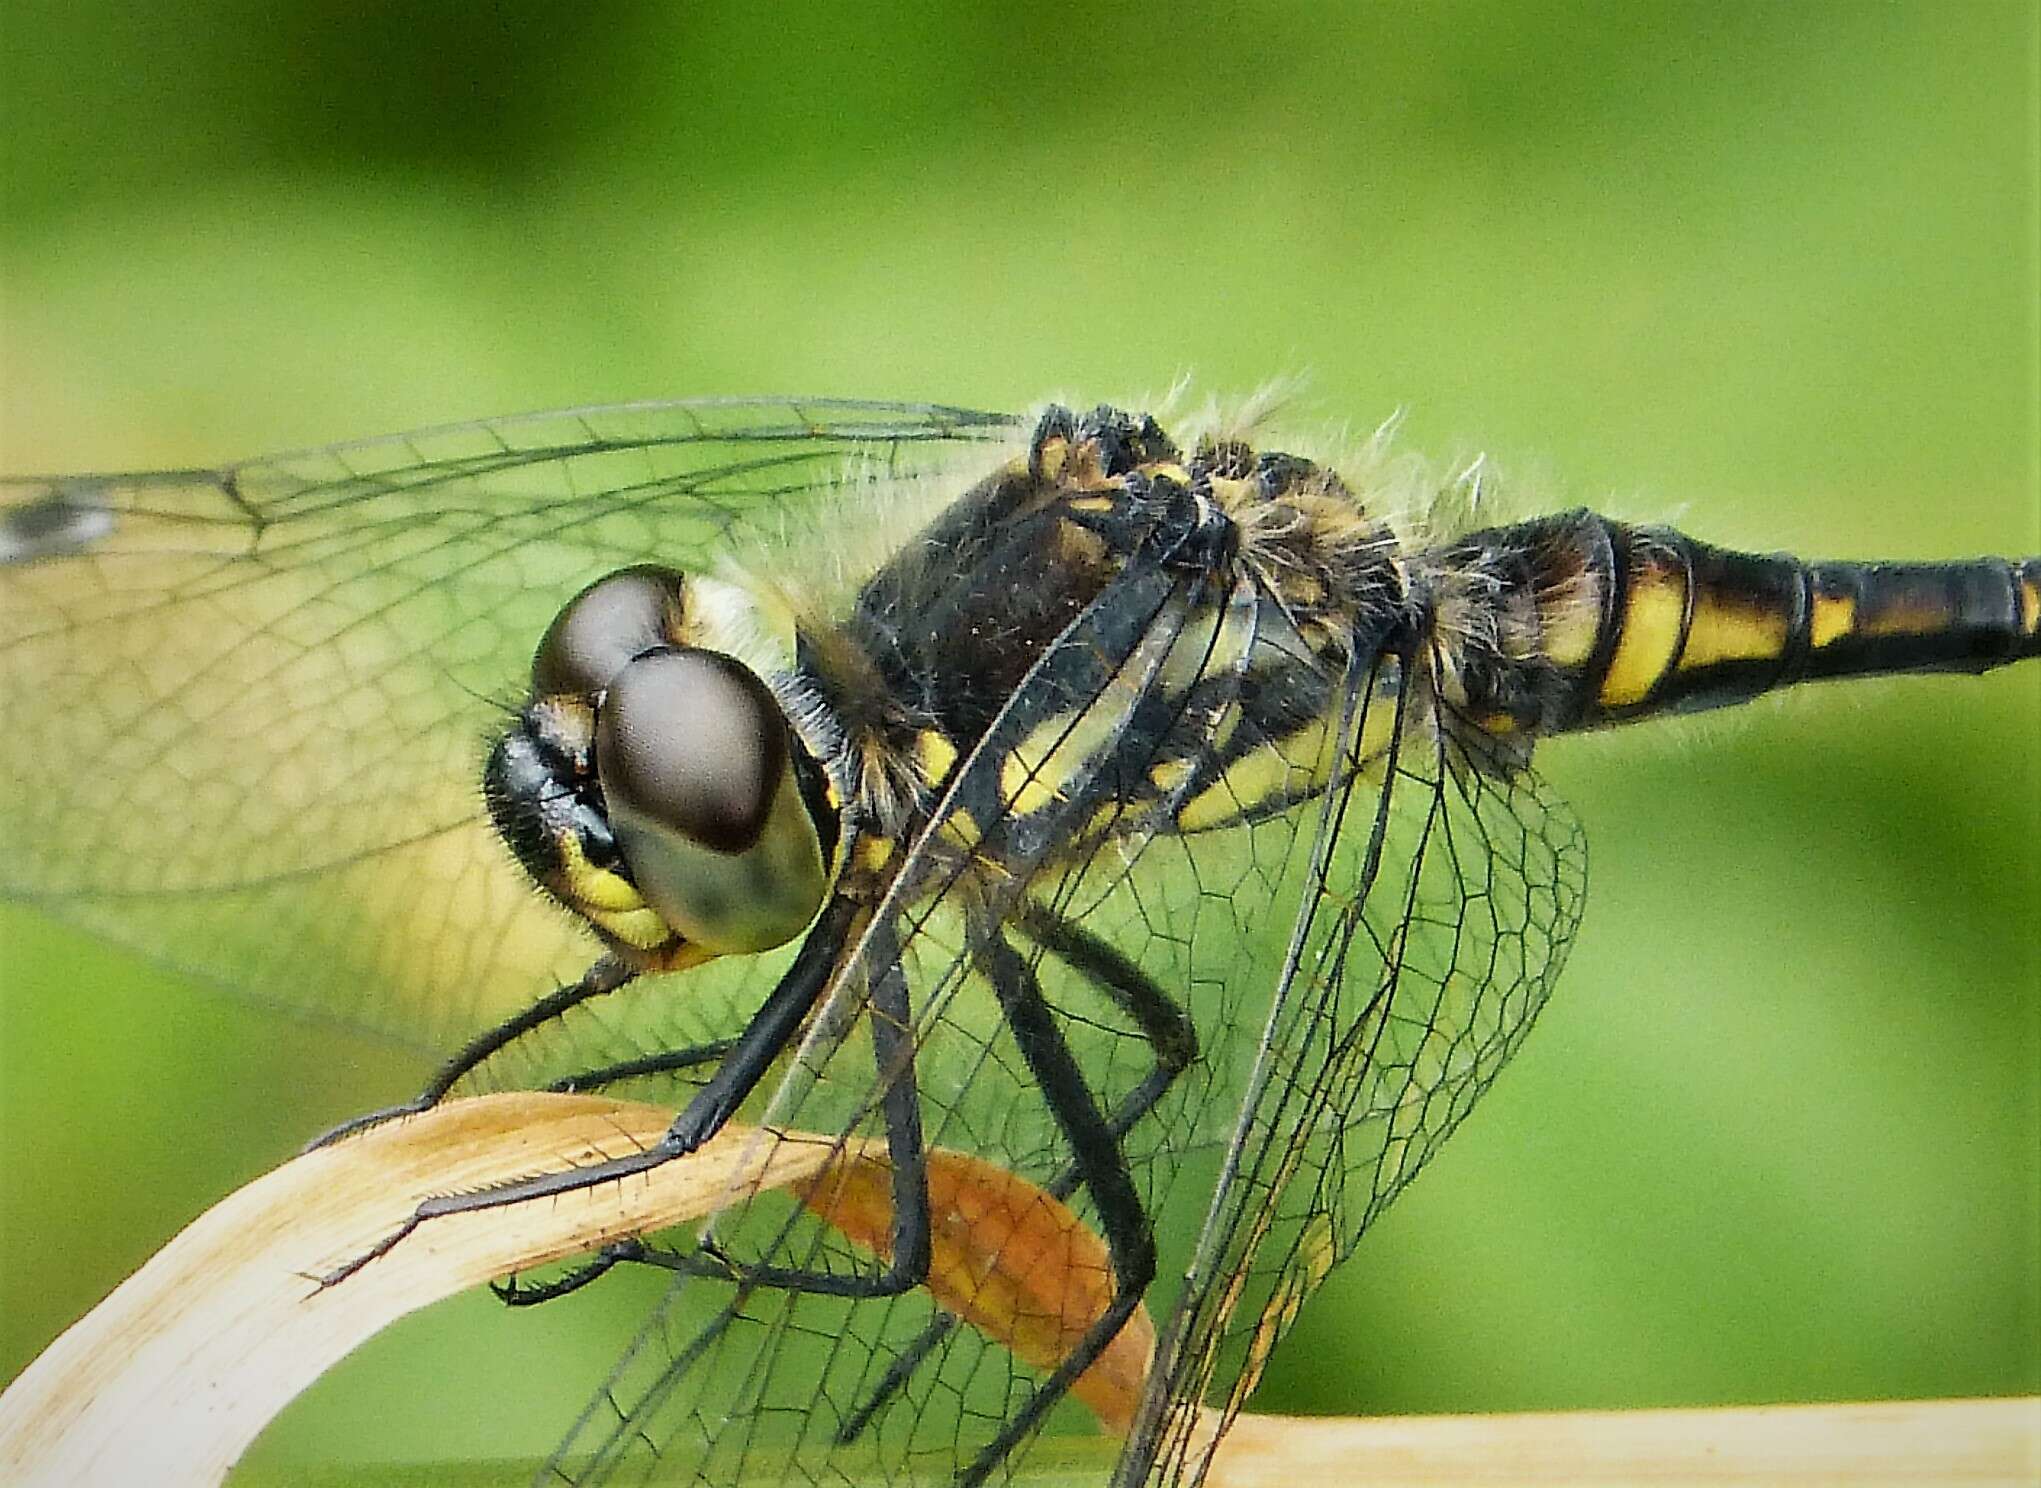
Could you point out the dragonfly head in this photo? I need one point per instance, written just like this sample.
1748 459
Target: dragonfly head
654 785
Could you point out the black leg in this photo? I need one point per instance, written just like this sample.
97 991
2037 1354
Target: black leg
907 1267
1168 1030
513 1293
1167 1027
892 1024
1102 1171
772 1027
606 975
891 1021
667 1062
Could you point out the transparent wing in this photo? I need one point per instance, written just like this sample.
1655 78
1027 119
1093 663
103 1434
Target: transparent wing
1357 963
247 707
1429 933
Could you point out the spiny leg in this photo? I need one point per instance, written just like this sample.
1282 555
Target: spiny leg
891 1019
1166 1027
900 1105
771 1029
892 1022
668 1061
665 1062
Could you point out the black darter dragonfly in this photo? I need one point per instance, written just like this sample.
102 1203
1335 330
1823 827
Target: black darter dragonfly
1151 818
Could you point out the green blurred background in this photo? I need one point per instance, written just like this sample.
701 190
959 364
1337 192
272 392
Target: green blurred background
1770 270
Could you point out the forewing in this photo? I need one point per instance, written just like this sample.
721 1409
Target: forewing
247 708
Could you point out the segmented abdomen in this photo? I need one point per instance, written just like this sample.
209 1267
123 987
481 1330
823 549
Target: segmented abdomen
1577 621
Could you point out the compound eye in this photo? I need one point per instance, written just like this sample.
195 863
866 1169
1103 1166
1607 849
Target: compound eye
598 632
693 741
696 767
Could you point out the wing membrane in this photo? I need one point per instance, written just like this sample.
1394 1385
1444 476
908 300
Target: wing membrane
247 707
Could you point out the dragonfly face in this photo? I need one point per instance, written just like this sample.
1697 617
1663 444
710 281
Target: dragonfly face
656 787
1133 801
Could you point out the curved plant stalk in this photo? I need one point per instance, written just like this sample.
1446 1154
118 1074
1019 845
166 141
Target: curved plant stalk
172 1376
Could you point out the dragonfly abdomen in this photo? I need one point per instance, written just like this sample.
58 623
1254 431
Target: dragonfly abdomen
1579 621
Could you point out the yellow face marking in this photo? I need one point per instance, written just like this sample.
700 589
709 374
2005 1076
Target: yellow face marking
1090 503
934 752
2030 606
1835 616
1651 629
680 956
1568 623
1724 632
594 889
638 928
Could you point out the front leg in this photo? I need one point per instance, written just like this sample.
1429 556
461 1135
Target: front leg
605 976
907 1261
771 1029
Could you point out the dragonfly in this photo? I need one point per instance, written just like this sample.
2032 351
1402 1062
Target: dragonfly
1146 814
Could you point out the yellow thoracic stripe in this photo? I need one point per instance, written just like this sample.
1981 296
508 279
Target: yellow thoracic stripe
1261 775
1284 771
935 754
962 828
1032 774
